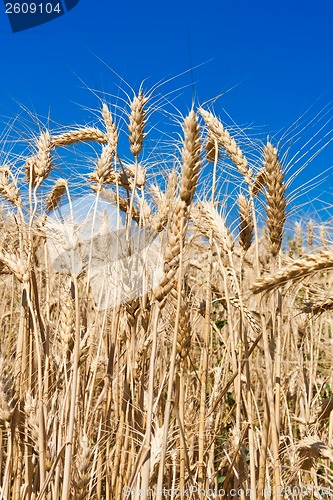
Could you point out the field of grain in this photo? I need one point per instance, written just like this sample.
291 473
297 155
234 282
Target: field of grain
212 381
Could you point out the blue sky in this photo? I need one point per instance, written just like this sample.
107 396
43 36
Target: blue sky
271 60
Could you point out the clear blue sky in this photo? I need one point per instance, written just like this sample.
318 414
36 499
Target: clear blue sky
277 54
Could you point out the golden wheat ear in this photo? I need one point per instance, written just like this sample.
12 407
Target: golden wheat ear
86 134
191 158
58 190
137 120
225 141
300 268
111 129
8 186
246 223
275 196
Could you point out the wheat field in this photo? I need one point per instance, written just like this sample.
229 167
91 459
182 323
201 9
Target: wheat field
202 369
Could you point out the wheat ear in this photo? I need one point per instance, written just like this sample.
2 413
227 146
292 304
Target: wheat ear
191 158
175 235
259 182
111 129
225 140
7 395
79 135
319 307
246 223
66 318
17 266
137 123
212 147
300 268
53 198
207 219
8 187
275 195
164 201
103 170
38 167
310 233
311 449
184 332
